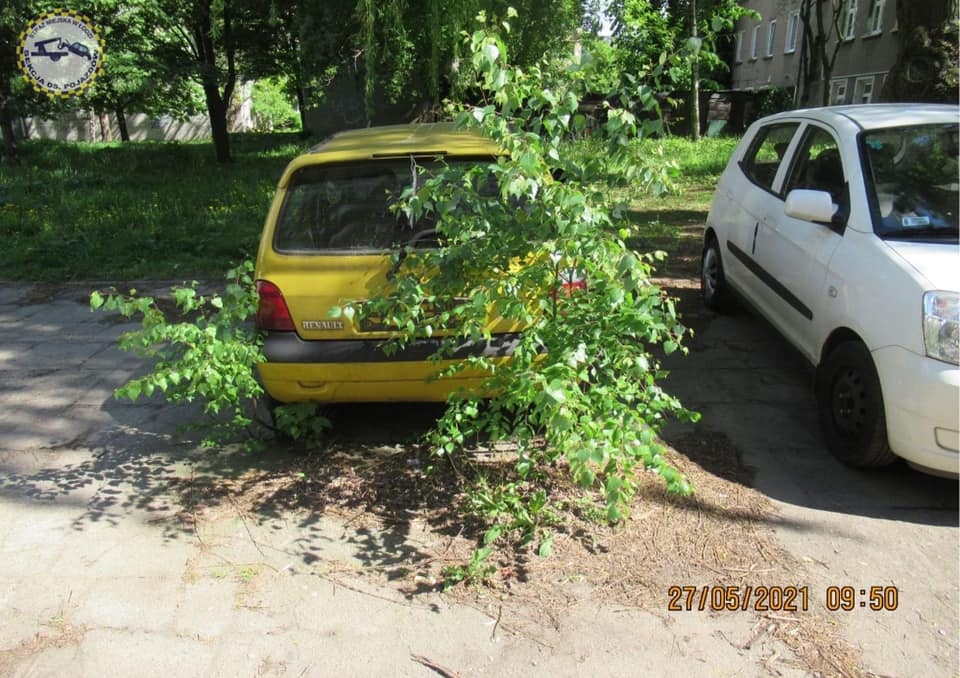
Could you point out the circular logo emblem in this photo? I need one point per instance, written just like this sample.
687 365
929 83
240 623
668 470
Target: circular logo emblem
60 53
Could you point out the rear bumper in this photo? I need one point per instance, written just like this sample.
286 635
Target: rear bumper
362 371
288 347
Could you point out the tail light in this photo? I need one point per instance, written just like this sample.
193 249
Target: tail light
571 280
272 312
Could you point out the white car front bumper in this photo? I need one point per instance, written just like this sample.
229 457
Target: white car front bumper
921 397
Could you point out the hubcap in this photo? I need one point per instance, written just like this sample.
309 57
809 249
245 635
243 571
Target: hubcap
851 405
710 271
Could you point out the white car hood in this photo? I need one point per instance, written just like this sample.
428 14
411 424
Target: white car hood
937 262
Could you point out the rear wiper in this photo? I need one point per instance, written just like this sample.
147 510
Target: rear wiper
406 249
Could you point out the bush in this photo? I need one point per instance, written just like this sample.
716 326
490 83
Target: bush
581 390
273 108
208 353
774 100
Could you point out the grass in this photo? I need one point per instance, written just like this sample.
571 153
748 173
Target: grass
117 212
674 223
136 210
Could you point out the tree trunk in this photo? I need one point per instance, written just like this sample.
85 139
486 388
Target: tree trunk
302 108
694 75
217 102
926 66
217 111
820 47
106 134
122 124
11 155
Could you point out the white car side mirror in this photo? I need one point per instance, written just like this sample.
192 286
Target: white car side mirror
810 205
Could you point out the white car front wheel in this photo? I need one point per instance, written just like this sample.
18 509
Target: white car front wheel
850 405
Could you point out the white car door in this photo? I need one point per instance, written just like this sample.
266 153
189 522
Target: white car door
749 195
794 254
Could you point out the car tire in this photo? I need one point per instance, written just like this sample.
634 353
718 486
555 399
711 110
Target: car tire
713 283
850 405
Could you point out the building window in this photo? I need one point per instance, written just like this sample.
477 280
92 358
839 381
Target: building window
771 36
793 24
754 41
848 19
863 90
875 21
739 52
838 91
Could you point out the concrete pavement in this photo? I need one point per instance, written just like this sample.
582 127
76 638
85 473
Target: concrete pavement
111 563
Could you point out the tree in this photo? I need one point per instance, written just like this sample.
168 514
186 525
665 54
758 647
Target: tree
135 77
212 42
580 390
926 68
411 49
677 43
822 33
14 16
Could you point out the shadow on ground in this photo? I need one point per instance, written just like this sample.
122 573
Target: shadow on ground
755 392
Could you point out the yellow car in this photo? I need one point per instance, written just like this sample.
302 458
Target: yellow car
327 241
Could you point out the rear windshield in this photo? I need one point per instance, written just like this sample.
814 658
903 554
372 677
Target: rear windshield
348 207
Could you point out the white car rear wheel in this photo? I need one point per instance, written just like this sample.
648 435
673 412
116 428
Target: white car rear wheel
713 284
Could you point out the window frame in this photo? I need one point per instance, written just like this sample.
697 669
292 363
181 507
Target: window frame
793 32
864 79
875 17
849 20
837 84
771 36
754 42
738 52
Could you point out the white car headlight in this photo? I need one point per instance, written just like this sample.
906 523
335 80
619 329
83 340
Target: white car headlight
941 326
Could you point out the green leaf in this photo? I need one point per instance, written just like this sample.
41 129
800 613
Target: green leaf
546 546
556 391
492 534
491 53
96 300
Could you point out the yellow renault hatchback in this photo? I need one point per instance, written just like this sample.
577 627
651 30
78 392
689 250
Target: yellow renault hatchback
327 241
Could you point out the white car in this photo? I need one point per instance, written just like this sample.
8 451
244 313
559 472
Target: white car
839 225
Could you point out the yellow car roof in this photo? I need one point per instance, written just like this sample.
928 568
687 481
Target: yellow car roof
397 141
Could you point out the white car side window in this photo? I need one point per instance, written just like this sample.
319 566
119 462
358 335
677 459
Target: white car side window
767 151
817 166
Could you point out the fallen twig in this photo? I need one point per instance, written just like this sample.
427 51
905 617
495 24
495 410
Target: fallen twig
442 670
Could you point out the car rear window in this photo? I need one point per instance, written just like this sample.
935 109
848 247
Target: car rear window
349 207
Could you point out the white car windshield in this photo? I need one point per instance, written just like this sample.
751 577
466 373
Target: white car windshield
912 181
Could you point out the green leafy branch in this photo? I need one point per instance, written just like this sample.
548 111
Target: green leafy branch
208 355
548 257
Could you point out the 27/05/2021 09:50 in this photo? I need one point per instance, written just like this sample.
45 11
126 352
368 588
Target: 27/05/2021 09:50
779 598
